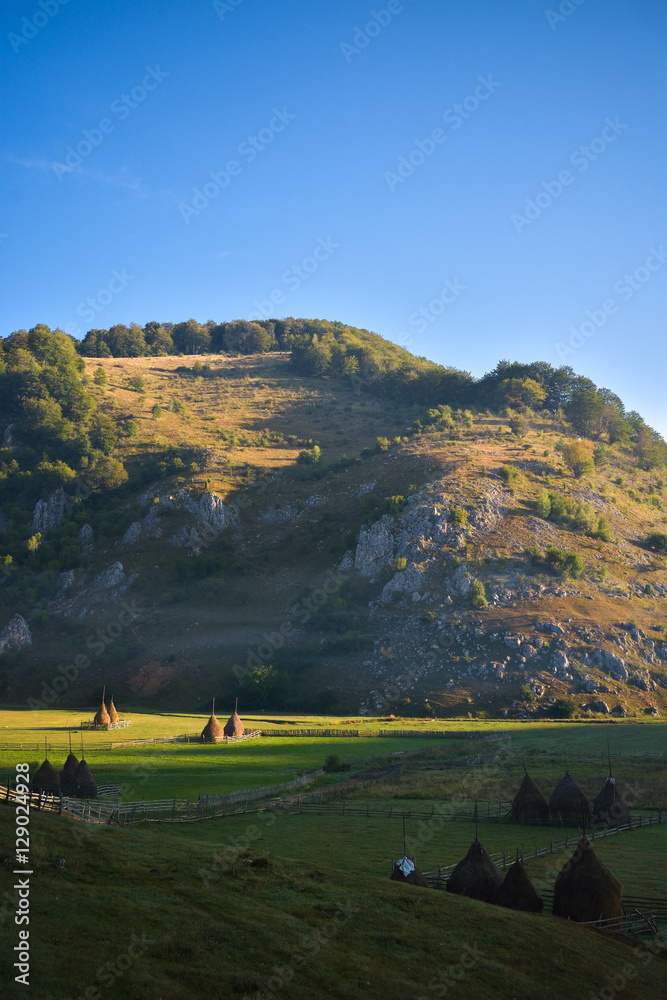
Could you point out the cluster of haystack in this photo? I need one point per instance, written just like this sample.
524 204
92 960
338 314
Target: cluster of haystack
104 717
213 732
585 889
75 779
568 802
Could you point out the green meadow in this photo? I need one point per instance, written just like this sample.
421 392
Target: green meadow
295 902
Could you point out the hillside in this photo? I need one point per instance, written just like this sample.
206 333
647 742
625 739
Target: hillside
312 538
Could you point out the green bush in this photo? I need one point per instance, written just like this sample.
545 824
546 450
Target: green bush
603 530
156 411
137 383
543 504
657 541
310 456
565 564
510 474
458 515
477 594
563 708
585 518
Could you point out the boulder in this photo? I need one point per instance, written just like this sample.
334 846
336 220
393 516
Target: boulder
618 711
86 536
15 634
110 577
640 681
211 511
599 706
49 513
375 549
611 663
559 661
133 534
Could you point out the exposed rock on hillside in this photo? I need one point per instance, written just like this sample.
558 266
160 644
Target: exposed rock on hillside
110 577
49 513
86 536
15 634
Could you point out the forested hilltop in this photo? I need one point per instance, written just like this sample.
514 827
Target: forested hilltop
213 476
322 348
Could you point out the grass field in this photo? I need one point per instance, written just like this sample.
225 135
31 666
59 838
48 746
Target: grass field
296 904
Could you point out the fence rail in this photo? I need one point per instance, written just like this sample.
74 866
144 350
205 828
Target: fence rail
437 878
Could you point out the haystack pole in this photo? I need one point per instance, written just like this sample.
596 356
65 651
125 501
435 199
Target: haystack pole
609 806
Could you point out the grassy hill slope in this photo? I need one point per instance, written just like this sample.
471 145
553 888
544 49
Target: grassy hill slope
244 428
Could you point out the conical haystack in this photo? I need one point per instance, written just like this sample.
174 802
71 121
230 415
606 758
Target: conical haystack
46 779
102 716
85 784
212 731
529 804
113 714
518 892
567 798
408 873
476 876
585 889
234 726
610 807
67 782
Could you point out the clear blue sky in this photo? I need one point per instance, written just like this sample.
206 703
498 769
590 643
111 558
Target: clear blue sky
359 103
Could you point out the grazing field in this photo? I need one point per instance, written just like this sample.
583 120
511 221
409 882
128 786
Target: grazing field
243 895
259 926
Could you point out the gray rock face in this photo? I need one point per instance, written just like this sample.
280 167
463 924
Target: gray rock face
49 513
599 706
15 634
611 663
641 682
588 685
559 661
110 577
7 437
407 581
210 510
86 536
278 515
618 711
375 549
132 535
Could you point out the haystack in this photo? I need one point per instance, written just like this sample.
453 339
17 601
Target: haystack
568 800
529 803
113 714
46 779
476 876
212 731
234 726
407 871
518 892
610 807
102 716
585 889
67 782
85 784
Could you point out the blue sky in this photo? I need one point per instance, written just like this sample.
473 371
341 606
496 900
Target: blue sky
479 180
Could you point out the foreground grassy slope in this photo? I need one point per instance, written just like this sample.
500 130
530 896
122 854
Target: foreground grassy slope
210 928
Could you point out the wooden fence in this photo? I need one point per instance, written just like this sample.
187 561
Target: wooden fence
437 879
446 734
